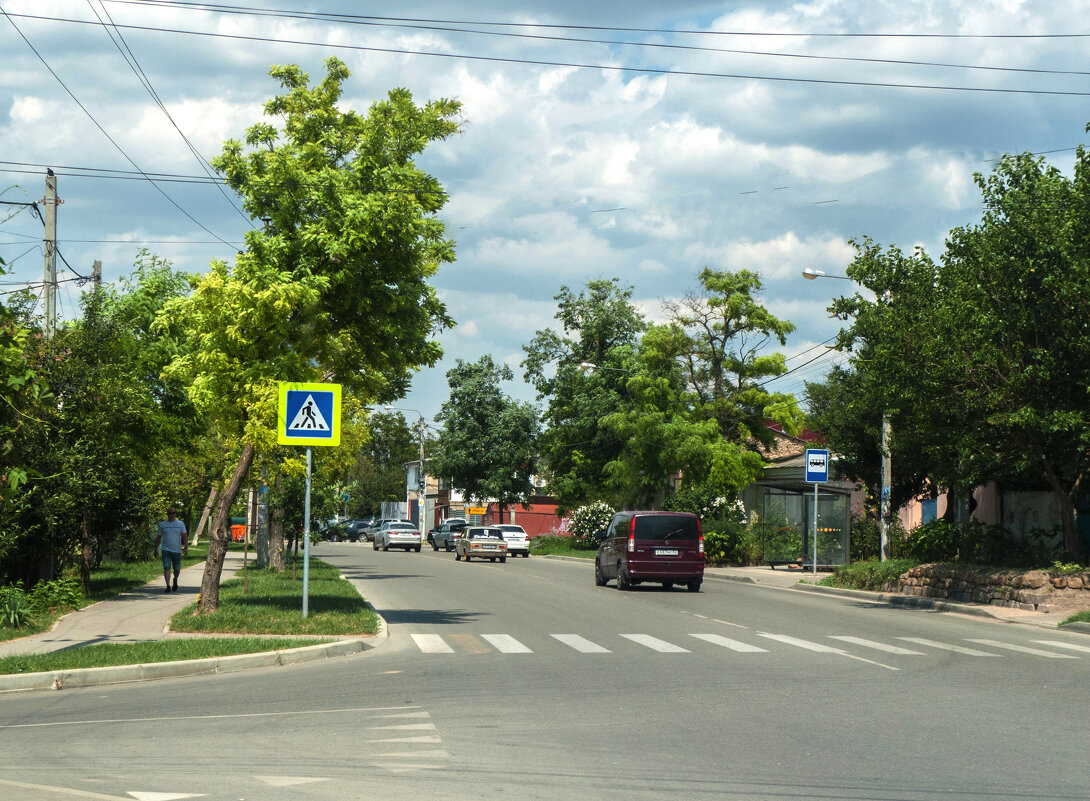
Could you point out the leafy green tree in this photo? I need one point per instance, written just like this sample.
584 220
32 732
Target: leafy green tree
487 447
334 286
600 327
379 473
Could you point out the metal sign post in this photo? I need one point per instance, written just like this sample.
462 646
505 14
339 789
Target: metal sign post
308 414
817 472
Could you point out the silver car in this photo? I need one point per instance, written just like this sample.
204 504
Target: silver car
397 534
518 544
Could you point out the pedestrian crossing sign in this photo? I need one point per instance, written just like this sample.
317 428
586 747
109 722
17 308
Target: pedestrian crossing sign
309 414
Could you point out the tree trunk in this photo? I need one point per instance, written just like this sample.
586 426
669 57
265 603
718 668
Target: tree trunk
1067 514
276 538
221 533
86 554
195 536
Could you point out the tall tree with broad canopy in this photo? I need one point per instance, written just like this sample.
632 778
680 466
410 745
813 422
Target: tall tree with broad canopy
698 402
599 327
984 356
487 447
334 285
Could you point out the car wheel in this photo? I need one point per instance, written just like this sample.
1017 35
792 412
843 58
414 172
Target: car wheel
492 560
434 545
449 548
667 585
623 582
385 547
694 586
599 579
418 549
334 538
467 556
503 560
374 545
457 557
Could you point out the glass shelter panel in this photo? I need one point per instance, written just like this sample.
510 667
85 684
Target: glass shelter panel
785 530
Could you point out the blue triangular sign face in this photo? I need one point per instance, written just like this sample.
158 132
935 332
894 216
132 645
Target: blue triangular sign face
309 417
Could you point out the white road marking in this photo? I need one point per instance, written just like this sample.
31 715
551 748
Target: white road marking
506 644
149 796
1024 650
878 646
239 716
404 727
59 792
288 781
1069 645
433 739
581 644
655 644
431 644
946 647
727 642
809 646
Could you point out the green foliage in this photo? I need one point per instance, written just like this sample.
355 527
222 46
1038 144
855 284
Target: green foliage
727 542
587 523
61 592
1066 567
865 537
943 541
488 444
872 575
562 546
705 502
15 610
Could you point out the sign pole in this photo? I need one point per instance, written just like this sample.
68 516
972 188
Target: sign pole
815 527
306 536
817 472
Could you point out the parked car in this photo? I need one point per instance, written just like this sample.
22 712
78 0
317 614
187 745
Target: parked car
666 547
397 534
515 536
334 532
482 542
353 529
447 534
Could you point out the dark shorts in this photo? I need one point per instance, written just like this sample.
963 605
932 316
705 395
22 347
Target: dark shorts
172 560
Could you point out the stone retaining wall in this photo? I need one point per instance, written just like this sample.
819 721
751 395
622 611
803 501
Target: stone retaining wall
1034 590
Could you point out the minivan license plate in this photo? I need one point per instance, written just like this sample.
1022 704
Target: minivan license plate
666 552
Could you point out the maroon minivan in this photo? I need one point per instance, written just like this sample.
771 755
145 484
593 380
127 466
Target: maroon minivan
665 547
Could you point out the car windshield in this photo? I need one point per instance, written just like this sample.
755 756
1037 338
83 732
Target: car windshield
666 527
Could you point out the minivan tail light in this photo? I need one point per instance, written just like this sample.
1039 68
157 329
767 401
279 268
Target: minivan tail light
700 534
632 536
700 547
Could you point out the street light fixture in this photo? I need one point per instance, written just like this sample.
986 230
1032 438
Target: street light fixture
887 469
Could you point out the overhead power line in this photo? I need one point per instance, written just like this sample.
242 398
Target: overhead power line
582 65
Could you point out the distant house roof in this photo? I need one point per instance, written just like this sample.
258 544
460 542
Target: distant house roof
786 447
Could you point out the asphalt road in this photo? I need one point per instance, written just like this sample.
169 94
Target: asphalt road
524 680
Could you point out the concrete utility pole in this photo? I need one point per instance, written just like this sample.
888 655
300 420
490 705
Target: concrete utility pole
49 294
96 273
884 505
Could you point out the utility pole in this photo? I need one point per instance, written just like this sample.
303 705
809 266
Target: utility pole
883 504
49 294
423 494
96 273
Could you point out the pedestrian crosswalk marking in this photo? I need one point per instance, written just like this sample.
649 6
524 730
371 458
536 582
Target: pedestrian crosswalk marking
1024 650
878 646
727 642
431 644
581 644
506 644
809 646
1069 645
947 647
655 644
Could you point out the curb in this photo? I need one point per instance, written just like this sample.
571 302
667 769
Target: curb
119 674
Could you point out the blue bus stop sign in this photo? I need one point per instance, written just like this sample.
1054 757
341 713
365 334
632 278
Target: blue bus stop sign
817 466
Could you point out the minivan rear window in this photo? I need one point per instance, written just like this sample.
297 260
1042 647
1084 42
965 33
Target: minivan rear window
666 527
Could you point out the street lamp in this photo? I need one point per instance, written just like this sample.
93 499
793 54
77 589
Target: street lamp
423 488
887 468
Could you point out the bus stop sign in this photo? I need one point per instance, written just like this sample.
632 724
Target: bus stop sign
817 466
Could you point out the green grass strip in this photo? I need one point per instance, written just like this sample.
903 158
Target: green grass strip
271 602
137 653
559 546
1078 617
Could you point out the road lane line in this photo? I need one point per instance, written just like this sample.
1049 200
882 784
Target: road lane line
1024 650
878 646
727 642
947 647
506 644
655 644
431 644
1069 645
580 644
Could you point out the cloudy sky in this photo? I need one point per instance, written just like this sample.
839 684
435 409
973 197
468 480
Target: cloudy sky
640 140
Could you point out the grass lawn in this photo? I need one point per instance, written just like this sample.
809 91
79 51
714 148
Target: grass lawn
1078 617
137 653
274 602
559 546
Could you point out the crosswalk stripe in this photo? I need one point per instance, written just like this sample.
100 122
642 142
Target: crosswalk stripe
947 647
655 644
1024 650
506 644
727 642
431 644
1069 645
878 646
581 644
809 646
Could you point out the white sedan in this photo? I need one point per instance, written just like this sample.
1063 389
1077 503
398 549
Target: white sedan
397 534
515 536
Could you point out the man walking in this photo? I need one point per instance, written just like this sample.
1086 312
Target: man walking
173 542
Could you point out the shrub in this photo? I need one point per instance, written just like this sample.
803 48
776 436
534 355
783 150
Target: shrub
133 544
58 592
728 543
871 575
975 542
588 522
14 609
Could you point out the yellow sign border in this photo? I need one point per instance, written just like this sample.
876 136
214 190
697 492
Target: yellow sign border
282 438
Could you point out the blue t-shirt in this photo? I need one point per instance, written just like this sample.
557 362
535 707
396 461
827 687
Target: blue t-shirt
171 533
